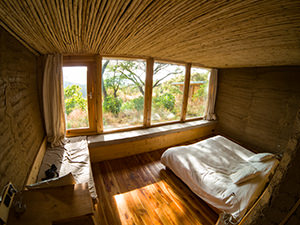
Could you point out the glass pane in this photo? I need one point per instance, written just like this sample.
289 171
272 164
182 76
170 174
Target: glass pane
75 95
123 93
167 93
198 92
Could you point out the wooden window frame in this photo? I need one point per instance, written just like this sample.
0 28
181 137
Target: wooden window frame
190 69
129 128
94 82
90 63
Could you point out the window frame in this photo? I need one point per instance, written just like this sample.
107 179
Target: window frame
128 128
90 63
197 117
94 84
183 97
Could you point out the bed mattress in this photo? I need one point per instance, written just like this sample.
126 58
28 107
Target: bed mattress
206 167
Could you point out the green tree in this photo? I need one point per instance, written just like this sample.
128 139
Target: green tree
104 65
131 71
113 80
202 91
112 104
74 99
166 100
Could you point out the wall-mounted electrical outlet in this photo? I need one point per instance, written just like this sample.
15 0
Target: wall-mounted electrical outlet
7 198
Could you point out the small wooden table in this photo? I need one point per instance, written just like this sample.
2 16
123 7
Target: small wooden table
70 204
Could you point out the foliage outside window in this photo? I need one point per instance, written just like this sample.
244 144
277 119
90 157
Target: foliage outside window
123 94
167 92
198 91
75 96
123 87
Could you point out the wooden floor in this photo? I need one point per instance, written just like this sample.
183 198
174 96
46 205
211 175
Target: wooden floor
139 190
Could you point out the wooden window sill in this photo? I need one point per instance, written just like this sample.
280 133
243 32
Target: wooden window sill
128 136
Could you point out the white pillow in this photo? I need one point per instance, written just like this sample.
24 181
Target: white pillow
244 174
260 157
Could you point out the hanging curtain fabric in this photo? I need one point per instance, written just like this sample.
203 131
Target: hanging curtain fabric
53 100
212 94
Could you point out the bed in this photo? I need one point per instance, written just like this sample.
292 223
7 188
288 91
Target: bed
224 174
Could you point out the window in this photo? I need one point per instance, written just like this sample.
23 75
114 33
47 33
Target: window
167 92
75 96
110 94
79 96
123 88
198 90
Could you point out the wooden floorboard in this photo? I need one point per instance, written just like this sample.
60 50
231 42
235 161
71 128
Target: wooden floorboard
139 190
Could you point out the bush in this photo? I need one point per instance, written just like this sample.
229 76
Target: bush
74 99
166 100
138 103
112 104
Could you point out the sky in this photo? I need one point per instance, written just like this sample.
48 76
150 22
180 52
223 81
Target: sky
75 74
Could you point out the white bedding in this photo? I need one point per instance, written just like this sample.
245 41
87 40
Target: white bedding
206 167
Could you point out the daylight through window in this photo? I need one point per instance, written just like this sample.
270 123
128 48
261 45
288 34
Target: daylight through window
167 92
75 96
123 88
110 94
198 90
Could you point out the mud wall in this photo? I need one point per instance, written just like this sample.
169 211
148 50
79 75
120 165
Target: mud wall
260 108
257 106
21 126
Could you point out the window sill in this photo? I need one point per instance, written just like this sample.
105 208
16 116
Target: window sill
128 136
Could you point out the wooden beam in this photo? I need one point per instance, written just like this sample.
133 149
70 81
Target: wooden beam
148 92
186 91
24 43
32 177
99 116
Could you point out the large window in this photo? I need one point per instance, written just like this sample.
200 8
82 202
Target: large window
198 90
109 94
167 92
123 88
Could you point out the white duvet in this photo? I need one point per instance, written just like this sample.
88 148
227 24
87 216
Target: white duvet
206 167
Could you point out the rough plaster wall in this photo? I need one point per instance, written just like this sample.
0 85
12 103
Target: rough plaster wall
284 189
257 106
285 198
21 126
273 93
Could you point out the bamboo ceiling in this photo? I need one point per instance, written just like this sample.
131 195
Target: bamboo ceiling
211 33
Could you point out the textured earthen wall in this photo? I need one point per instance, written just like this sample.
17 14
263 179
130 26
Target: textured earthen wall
257 106
21 127
260 107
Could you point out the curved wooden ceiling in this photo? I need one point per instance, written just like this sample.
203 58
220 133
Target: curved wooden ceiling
218 34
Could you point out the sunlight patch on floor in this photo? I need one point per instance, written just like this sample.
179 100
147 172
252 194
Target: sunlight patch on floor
148 205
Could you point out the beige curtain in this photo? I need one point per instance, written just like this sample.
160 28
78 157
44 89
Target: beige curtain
53 100
212 94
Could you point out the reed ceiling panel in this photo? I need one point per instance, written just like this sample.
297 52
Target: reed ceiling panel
211 33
